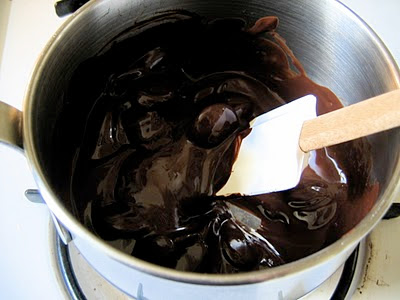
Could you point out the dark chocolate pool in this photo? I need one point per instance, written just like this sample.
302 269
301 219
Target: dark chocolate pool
170 101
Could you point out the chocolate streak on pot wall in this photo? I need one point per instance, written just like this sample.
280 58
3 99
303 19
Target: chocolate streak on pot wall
169 102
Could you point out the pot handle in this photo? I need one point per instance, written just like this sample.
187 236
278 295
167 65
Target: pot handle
393 212
66 7
10 125
11 134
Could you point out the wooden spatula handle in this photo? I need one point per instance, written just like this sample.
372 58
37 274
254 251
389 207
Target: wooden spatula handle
361 119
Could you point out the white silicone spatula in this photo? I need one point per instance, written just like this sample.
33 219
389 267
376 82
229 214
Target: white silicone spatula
274 154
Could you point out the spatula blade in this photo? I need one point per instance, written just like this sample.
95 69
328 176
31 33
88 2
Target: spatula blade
270 158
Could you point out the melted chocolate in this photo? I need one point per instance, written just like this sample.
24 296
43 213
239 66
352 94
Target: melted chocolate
170 101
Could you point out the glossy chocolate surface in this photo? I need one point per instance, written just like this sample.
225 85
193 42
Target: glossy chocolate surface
170 101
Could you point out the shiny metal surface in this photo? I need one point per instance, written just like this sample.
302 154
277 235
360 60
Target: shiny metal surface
10 125
63 233
35 197
337 49
64 267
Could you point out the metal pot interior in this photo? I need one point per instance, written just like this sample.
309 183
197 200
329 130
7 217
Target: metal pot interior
336 48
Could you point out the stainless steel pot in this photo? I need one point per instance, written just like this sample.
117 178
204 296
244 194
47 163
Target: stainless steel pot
337 49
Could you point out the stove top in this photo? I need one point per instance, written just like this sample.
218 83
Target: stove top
33 261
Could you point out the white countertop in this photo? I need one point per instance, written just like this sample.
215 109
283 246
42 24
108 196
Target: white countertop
26 272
